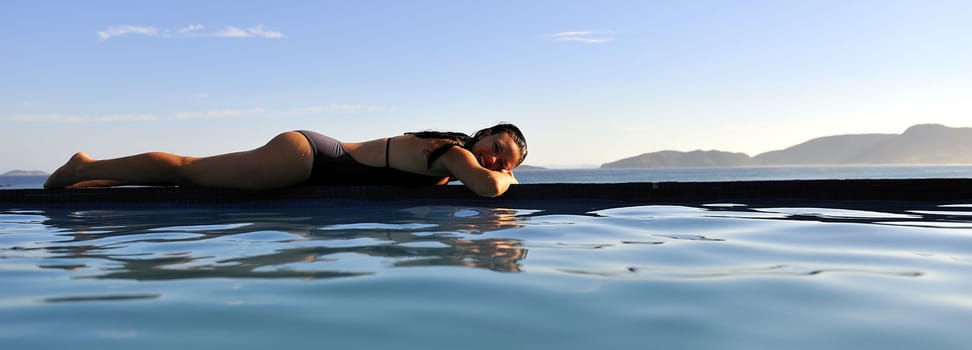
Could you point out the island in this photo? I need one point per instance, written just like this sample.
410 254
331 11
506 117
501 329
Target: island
925 144
25 173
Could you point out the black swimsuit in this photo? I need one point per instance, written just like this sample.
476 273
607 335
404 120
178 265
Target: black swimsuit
333 165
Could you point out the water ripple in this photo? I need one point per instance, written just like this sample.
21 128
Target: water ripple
653 272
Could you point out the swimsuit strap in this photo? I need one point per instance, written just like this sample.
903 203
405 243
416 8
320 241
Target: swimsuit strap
387 145
438 152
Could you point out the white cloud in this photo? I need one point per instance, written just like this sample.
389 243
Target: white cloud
226 113
192 30
337 109
218 113
231 32
587 37
333 108
258 31
573 34
114 31
73 118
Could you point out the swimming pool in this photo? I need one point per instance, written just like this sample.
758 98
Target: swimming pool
400 274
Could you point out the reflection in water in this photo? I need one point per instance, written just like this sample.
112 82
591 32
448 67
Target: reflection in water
321 242
333 239
697 275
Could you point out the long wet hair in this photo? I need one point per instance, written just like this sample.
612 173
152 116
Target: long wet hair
467 142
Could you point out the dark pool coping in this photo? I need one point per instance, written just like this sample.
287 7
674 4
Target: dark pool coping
949 190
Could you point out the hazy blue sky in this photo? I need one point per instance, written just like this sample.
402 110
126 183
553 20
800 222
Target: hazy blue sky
588 81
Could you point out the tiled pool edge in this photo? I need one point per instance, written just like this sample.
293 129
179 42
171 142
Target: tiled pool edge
633 193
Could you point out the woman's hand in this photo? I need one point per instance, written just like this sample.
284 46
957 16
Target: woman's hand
510 173
461 164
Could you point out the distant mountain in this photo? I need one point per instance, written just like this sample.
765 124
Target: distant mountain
919 144
922 144
24 173
839 149
529 167
682 159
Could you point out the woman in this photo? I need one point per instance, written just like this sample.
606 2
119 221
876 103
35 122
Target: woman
483 162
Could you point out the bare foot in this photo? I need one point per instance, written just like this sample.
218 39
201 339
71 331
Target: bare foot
69 173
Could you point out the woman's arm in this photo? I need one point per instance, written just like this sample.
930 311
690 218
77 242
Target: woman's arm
463 165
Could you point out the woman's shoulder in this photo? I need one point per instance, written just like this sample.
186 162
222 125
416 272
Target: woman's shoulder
455 137
431 148
428 143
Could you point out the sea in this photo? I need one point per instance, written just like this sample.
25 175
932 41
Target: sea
342 274
705 174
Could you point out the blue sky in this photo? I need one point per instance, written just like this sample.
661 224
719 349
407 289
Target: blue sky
588 81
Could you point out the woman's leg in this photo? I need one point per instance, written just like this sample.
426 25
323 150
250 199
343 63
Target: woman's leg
284 161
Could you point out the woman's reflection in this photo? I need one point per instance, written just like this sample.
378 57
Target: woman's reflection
167 243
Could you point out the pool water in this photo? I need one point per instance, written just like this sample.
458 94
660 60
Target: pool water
393 275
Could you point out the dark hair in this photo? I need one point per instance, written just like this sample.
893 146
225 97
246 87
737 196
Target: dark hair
453 137
510 129
467 142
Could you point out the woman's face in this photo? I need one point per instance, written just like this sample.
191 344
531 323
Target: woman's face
497 152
